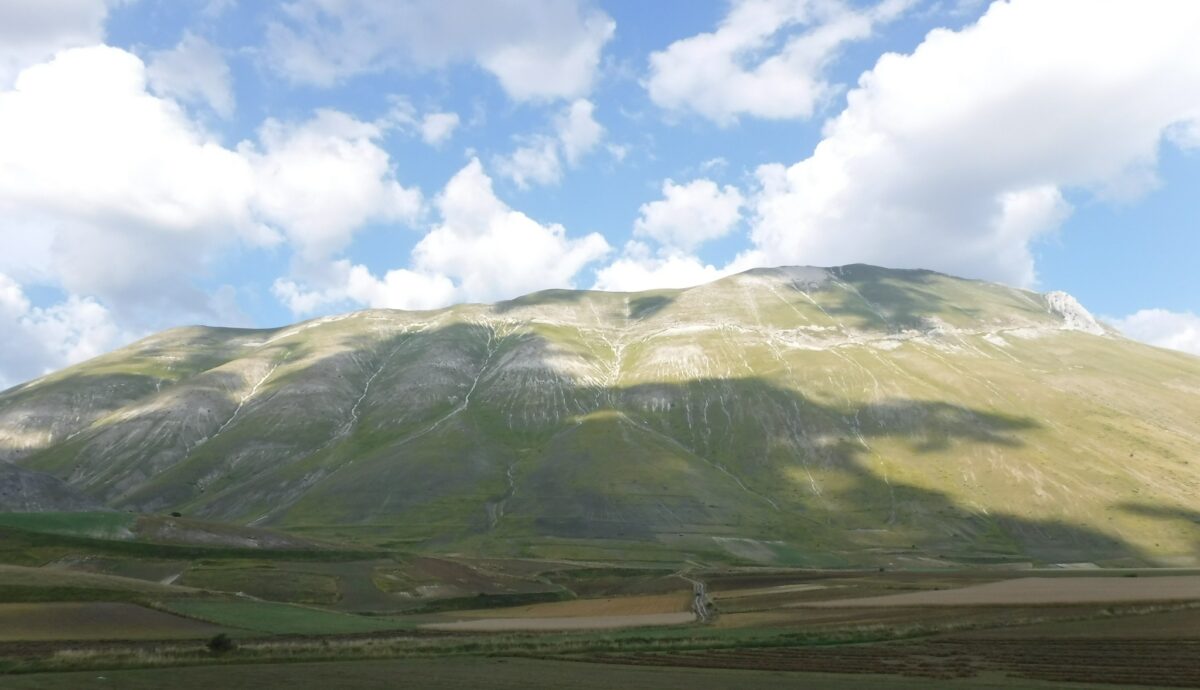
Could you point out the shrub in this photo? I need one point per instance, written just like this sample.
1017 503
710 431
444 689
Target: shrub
221 643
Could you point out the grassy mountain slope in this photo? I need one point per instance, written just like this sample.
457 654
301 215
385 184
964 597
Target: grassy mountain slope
797 415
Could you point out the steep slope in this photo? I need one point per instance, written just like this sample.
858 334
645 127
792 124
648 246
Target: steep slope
26 491
803 415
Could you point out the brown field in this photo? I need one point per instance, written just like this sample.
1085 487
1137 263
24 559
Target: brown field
1163 625
899 617
768 591
1159 663
609 606
1039 590
94 621
21 576
581 614
565 623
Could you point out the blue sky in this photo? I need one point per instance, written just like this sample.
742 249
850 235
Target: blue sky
166 162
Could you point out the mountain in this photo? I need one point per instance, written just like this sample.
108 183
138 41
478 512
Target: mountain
809 416
26 491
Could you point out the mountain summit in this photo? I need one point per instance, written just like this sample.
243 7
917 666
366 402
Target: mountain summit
827 417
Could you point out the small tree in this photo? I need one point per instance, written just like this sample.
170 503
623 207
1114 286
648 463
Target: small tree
221 643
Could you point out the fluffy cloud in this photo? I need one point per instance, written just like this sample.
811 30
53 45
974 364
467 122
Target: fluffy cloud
100 167
116 197
91 165
687 216
193 72
639 268
1173 330
321 180
434 127
540 159
536 162
757 64
31 32
39 340
690 214
437 128
578 131
480 250
345 283
956 156
539 49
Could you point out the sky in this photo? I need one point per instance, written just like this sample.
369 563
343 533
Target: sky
237 163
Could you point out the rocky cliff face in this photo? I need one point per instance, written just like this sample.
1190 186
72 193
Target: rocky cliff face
803 415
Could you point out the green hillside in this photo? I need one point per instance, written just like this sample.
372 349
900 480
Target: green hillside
806 416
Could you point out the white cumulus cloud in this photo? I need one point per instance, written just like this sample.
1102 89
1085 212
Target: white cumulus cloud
536 162
321 180
437 128
194 71
38 340
956 157
480 250
91 165
116 197
639 268
1163 328
33 31
767 59
690 214
537 49
578 131
540 159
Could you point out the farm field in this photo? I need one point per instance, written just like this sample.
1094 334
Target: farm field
612 622
582 614
95 621
1037 590
269 617
500 673
607 606
109 607
1154 663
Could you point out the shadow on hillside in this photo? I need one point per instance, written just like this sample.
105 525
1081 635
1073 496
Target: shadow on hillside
646 306
763 462
881 299
541 298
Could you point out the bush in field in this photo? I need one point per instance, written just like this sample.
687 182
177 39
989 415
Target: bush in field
221 643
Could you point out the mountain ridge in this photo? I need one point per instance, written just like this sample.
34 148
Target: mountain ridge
786 415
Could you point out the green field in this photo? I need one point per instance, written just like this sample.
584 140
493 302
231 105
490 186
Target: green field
100 525
265 580
281 619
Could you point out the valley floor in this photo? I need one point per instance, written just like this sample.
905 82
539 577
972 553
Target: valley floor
500 673
82 611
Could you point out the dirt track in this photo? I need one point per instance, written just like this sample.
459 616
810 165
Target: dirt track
1038 590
